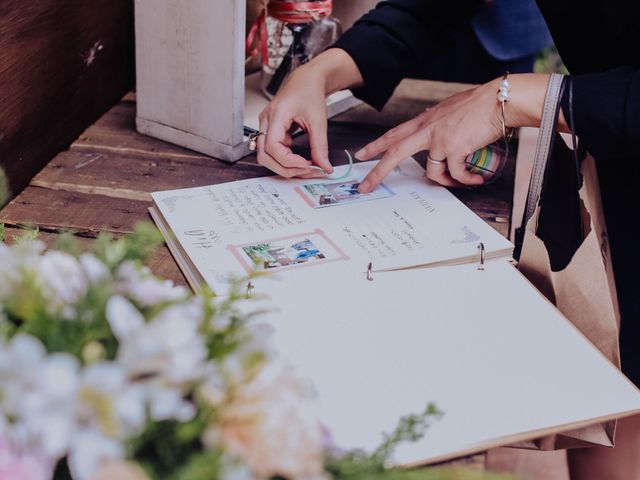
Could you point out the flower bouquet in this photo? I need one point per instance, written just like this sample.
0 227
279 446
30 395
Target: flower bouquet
108 372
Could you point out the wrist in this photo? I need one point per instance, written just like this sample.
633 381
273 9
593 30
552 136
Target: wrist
526 99
335 69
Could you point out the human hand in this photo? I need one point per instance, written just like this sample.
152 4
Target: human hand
451 130
301 102
457 127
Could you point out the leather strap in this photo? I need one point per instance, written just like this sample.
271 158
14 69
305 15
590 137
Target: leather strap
543 147
548 124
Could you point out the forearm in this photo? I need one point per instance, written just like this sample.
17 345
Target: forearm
396 39
334 68
526 100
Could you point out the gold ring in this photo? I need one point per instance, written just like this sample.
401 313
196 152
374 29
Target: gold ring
253 139
433 160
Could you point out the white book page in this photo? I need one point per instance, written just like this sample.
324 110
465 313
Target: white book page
501 362
277 225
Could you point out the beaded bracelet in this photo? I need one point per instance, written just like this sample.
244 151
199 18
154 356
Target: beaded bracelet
503 97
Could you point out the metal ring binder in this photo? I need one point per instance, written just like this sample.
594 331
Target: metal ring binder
250 286
369 272
481 248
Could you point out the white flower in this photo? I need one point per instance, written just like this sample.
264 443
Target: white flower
124 319
142 286
238 472
8 270
268 425
111 403
95 270
38 391
62 278
49 409
15 260
165 355
90 451
167 346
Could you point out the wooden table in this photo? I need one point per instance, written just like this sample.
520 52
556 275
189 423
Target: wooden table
102 183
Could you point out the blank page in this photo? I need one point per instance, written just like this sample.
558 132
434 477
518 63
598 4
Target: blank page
501 362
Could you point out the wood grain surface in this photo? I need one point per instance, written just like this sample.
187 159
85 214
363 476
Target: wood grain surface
63 63
103 181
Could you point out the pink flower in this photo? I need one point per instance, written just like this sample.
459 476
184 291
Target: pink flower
14 466
267 424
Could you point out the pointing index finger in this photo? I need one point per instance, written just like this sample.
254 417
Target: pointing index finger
391 159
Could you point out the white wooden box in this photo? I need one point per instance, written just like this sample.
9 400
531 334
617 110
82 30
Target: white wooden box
191 84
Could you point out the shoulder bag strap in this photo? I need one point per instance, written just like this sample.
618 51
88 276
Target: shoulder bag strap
544 146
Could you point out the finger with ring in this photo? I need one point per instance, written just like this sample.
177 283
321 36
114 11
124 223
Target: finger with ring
435 161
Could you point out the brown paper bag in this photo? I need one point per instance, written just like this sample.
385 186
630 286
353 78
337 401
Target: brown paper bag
583 290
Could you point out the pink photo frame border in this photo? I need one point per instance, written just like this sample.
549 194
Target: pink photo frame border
236 251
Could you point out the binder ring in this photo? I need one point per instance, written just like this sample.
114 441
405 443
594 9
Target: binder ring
250 287
481 248
369 272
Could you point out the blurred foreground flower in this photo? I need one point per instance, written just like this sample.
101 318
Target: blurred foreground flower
107 372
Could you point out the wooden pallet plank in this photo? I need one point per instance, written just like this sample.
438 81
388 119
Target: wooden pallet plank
87 214
62 64
134 176
161 262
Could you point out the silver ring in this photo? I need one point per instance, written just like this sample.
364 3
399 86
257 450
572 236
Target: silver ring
433 160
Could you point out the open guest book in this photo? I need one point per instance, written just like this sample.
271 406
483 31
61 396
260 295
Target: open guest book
394 299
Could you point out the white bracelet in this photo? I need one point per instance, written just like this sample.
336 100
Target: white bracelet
503 97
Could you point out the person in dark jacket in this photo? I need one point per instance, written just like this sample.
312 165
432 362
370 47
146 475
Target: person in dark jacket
598 42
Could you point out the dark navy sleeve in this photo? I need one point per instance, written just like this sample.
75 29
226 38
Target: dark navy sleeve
393 41
606 111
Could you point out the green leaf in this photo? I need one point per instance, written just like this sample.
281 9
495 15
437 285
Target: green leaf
172 450
28 234
66 242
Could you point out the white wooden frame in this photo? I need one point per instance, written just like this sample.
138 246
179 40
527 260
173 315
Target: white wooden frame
191 76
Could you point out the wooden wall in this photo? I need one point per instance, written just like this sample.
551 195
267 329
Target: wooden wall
63 63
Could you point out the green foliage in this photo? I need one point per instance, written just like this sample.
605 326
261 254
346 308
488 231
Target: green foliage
27 234
5 189
411 428
67 242
549 61
358 465
224 325
29 311
138 246
172 450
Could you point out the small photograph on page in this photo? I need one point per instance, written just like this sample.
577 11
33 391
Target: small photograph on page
319 195
305 249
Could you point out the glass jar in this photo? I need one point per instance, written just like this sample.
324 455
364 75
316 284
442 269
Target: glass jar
296 31
488 161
